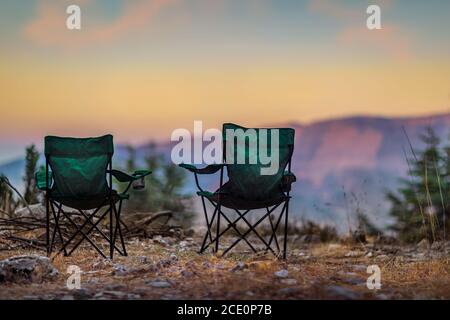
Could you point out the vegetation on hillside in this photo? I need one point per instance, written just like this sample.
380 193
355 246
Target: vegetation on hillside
420 205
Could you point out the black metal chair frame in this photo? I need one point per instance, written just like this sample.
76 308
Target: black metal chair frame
217 214
114 220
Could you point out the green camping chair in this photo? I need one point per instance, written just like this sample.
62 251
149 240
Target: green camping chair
78 174
247 189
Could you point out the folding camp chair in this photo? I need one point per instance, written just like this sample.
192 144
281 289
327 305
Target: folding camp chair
78 174
247 189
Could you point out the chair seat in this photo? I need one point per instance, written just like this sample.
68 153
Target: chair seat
231 201
87 203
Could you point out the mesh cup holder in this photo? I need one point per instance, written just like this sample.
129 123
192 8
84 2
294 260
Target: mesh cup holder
139 184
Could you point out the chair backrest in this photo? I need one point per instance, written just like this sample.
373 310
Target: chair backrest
246 179
79 165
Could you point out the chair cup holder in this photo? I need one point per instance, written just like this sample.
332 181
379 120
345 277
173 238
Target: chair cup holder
139 184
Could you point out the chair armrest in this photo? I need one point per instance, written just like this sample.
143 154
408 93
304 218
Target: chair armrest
40 179
287 180
210 169
125 177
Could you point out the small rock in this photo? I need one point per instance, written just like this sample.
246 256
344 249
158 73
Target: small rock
142 259
424 244
382 296
120 270
173 257
360 267
369 254
342 293
31 268
115 287
164 263
37 211
283 273
186 273
183 244
133 296
350 278
100 296
353 254
169 240
239 266
159 240
289 282
159 284
289 291
101 264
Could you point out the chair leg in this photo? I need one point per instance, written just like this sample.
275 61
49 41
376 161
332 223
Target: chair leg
277 224
209 223
285 230
218 229
111 235
250 230
47 225
53 234
274 232
94 226
85 235
253 228
56 216
118 228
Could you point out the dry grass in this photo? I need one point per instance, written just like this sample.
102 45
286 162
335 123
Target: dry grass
321 271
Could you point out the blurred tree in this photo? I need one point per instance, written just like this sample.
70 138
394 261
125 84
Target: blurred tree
7 202
163 186
31 159
420 204
131 161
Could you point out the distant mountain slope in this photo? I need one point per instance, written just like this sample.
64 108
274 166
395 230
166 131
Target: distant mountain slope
349 163
342 165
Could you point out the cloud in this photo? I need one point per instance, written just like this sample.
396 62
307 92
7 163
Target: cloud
332 9
391 39
48 27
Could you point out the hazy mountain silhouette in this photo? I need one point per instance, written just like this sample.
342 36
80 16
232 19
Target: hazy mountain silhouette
342 165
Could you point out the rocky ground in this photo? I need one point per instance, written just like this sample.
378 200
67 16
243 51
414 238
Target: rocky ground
166 268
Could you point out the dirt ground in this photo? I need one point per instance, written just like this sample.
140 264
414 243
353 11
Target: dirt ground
165 268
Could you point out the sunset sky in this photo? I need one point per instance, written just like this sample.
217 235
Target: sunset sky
140 69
